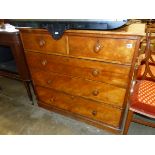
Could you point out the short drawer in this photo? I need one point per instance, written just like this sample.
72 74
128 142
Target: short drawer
87 69
97 91
80 106
109 49
44 43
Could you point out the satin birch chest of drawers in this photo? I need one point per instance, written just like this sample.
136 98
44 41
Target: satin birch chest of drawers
85 74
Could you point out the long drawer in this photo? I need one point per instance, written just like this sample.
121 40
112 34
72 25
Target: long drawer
77 86
80 106
109 49
44 43
93 70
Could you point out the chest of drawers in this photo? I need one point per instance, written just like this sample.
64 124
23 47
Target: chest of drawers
85 74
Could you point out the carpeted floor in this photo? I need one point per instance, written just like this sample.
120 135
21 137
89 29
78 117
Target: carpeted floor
19 117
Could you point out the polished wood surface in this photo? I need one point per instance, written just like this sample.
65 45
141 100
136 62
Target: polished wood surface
85 74
89 89
75 104
44 43
93 70
113 50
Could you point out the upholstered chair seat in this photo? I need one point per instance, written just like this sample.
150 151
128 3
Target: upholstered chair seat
143 98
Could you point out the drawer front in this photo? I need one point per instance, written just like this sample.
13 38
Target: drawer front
76 86
115 50
93 70
77 105
44 43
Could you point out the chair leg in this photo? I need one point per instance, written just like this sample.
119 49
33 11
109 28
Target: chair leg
128 121
27 86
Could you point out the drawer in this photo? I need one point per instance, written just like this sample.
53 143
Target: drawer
77 86
93 70
80 106
115 50
43 43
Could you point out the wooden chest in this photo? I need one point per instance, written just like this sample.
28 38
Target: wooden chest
85 74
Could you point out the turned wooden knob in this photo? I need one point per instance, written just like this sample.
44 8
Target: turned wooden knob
97 47
95 72
94 112
95 92
42 43
44 62
49 81
72 97
52 99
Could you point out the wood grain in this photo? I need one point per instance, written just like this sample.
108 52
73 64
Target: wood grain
85 74
98 91
74 104
115 50
93 70
44 43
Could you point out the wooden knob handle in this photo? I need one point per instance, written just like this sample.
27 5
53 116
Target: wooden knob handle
52 99
42 43
94 112
95 72
72 97
44 62
49 81
95 92
97 47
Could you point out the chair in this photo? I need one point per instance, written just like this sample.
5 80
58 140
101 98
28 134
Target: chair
142 98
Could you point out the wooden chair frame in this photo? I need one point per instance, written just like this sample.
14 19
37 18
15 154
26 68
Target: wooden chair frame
148 60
